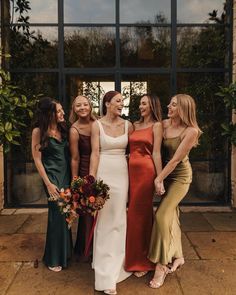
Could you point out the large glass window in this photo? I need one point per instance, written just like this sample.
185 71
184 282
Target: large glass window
63 48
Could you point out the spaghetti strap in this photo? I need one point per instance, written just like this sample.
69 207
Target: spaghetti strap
182 131
75 129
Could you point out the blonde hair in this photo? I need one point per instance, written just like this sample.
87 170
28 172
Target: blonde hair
73 116
155 107
187 111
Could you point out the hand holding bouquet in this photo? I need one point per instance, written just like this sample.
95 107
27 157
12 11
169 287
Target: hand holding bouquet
86 196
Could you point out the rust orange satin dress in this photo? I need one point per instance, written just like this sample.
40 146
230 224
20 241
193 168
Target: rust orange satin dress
140 212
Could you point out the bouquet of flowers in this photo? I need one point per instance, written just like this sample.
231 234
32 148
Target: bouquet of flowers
86 196
67 205
89 194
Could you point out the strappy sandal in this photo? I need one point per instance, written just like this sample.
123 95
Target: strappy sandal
139 274
159 277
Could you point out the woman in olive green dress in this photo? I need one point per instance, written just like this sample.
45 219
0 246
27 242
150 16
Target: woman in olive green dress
181 133
51 156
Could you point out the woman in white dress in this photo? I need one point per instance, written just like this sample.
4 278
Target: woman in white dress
109 140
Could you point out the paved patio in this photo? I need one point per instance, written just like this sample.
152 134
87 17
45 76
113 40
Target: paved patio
209 241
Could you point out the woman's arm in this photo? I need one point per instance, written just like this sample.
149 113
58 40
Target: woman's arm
74 151
184 148
36 153
94 159
156 154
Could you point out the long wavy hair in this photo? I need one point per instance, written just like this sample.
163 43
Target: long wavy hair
155 107
73 116
44 117
187 111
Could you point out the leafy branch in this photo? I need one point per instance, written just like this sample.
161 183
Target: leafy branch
229 96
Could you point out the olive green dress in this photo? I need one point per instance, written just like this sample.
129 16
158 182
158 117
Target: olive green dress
58 248
166 234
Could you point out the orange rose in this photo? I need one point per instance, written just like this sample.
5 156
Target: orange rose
75 177
91 199
81 190
62 194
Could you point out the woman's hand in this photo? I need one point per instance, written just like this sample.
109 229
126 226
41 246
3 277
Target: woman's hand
159 186
53 190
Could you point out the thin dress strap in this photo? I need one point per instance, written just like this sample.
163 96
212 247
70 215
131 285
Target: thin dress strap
75 129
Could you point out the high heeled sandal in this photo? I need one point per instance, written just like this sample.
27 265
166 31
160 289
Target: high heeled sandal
159 277
139 274
110 292
55 268
178 262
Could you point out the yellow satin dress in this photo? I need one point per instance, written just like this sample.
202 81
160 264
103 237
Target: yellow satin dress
165 242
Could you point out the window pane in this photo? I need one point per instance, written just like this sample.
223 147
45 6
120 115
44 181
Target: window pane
195 11
151 11
134 86
89 47
33 48
145 47
202 47
43 11
93 87
89 11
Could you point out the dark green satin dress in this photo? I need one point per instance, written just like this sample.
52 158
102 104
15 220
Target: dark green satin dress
58 248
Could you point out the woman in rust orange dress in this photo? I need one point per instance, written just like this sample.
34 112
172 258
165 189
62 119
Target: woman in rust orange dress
81 119
144 166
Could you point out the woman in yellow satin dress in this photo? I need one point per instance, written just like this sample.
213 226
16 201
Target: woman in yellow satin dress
181 133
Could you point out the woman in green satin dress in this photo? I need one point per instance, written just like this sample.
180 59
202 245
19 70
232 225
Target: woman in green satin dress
181 133
50 152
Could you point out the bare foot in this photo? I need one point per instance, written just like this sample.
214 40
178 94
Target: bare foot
55 268
140 274
178 262
110 291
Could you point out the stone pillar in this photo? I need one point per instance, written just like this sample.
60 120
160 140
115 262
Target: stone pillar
233 155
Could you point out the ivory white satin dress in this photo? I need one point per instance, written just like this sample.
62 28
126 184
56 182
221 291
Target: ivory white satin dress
110 230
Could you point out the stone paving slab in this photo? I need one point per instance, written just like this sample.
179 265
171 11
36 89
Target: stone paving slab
7 211
139 286
36 223
21 247
194 222
78 279
11 223
188 249
222 221
8 271
30 211
214 245
208 277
